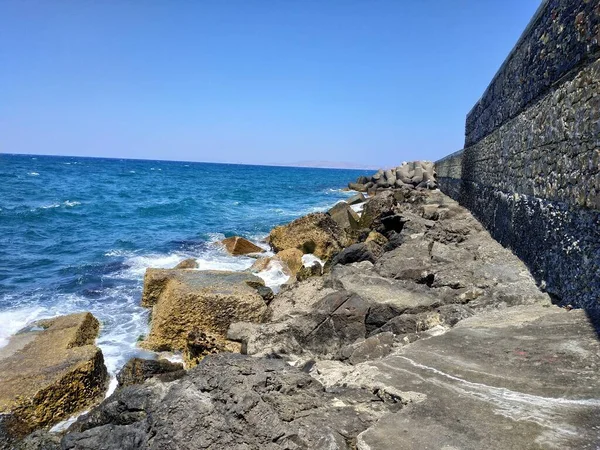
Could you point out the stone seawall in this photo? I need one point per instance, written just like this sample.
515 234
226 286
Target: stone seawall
530 171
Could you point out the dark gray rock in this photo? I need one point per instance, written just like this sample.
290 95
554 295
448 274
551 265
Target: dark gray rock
228 402
356 199
363 251
138 370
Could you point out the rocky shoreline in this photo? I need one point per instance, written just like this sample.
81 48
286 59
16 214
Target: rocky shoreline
403 325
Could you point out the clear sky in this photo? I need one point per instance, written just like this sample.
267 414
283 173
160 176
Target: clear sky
250 81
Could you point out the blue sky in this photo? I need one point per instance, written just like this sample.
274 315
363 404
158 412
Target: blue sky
251 81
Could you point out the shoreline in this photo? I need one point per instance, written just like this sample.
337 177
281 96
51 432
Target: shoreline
387 329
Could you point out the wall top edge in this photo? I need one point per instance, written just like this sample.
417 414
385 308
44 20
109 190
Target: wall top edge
450 156
530 26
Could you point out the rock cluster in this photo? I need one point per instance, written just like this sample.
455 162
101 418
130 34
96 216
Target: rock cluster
415 174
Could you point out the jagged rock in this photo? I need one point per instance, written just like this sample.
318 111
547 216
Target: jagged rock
239 246
138 370
229 402
315 233
299 297
189 263
376 237
49 371
314 270
392 223
374 347
200 344
344 216
410 323
336 320
363 251
378 206
186 300
356 199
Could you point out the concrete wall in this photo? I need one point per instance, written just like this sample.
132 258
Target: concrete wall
530 170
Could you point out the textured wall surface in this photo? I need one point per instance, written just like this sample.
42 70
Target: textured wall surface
530 171
562 35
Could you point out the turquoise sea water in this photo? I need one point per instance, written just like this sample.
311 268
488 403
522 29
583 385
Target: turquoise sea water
76 234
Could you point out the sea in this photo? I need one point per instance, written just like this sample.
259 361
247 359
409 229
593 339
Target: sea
77 234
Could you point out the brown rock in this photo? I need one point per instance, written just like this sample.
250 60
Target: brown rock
48 372
189 263
316 233
376 237
201 344
185 300
292 258
239 246
344 216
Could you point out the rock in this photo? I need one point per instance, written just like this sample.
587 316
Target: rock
336 320
376 237
356 199
393 223
394 241
363 251
410 323
430 212
299 297
315 233
314 270
229 402
378 206
357 187
362 180
344 216
185 300
374 347
189 263
201 344
138 370
49 371
292 258
266 293
239 246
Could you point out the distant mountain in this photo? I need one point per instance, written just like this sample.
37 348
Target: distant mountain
332 165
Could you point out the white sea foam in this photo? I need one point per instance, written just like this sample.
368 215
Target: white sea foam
358 207
14 320
274 276
309 259
33 174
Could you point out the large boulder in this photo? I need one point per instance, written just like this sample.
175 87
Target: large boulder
239 246
315 233
344 216
183 301
49 371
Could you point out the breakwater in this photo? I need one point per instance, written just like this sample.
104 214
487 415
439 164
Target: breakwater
530 169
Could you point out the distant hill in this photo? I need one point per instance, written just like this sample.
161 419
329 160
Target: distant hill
332 165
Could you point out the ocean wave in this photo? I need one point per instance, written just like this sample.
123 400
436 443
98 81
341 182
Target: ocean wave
33 174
